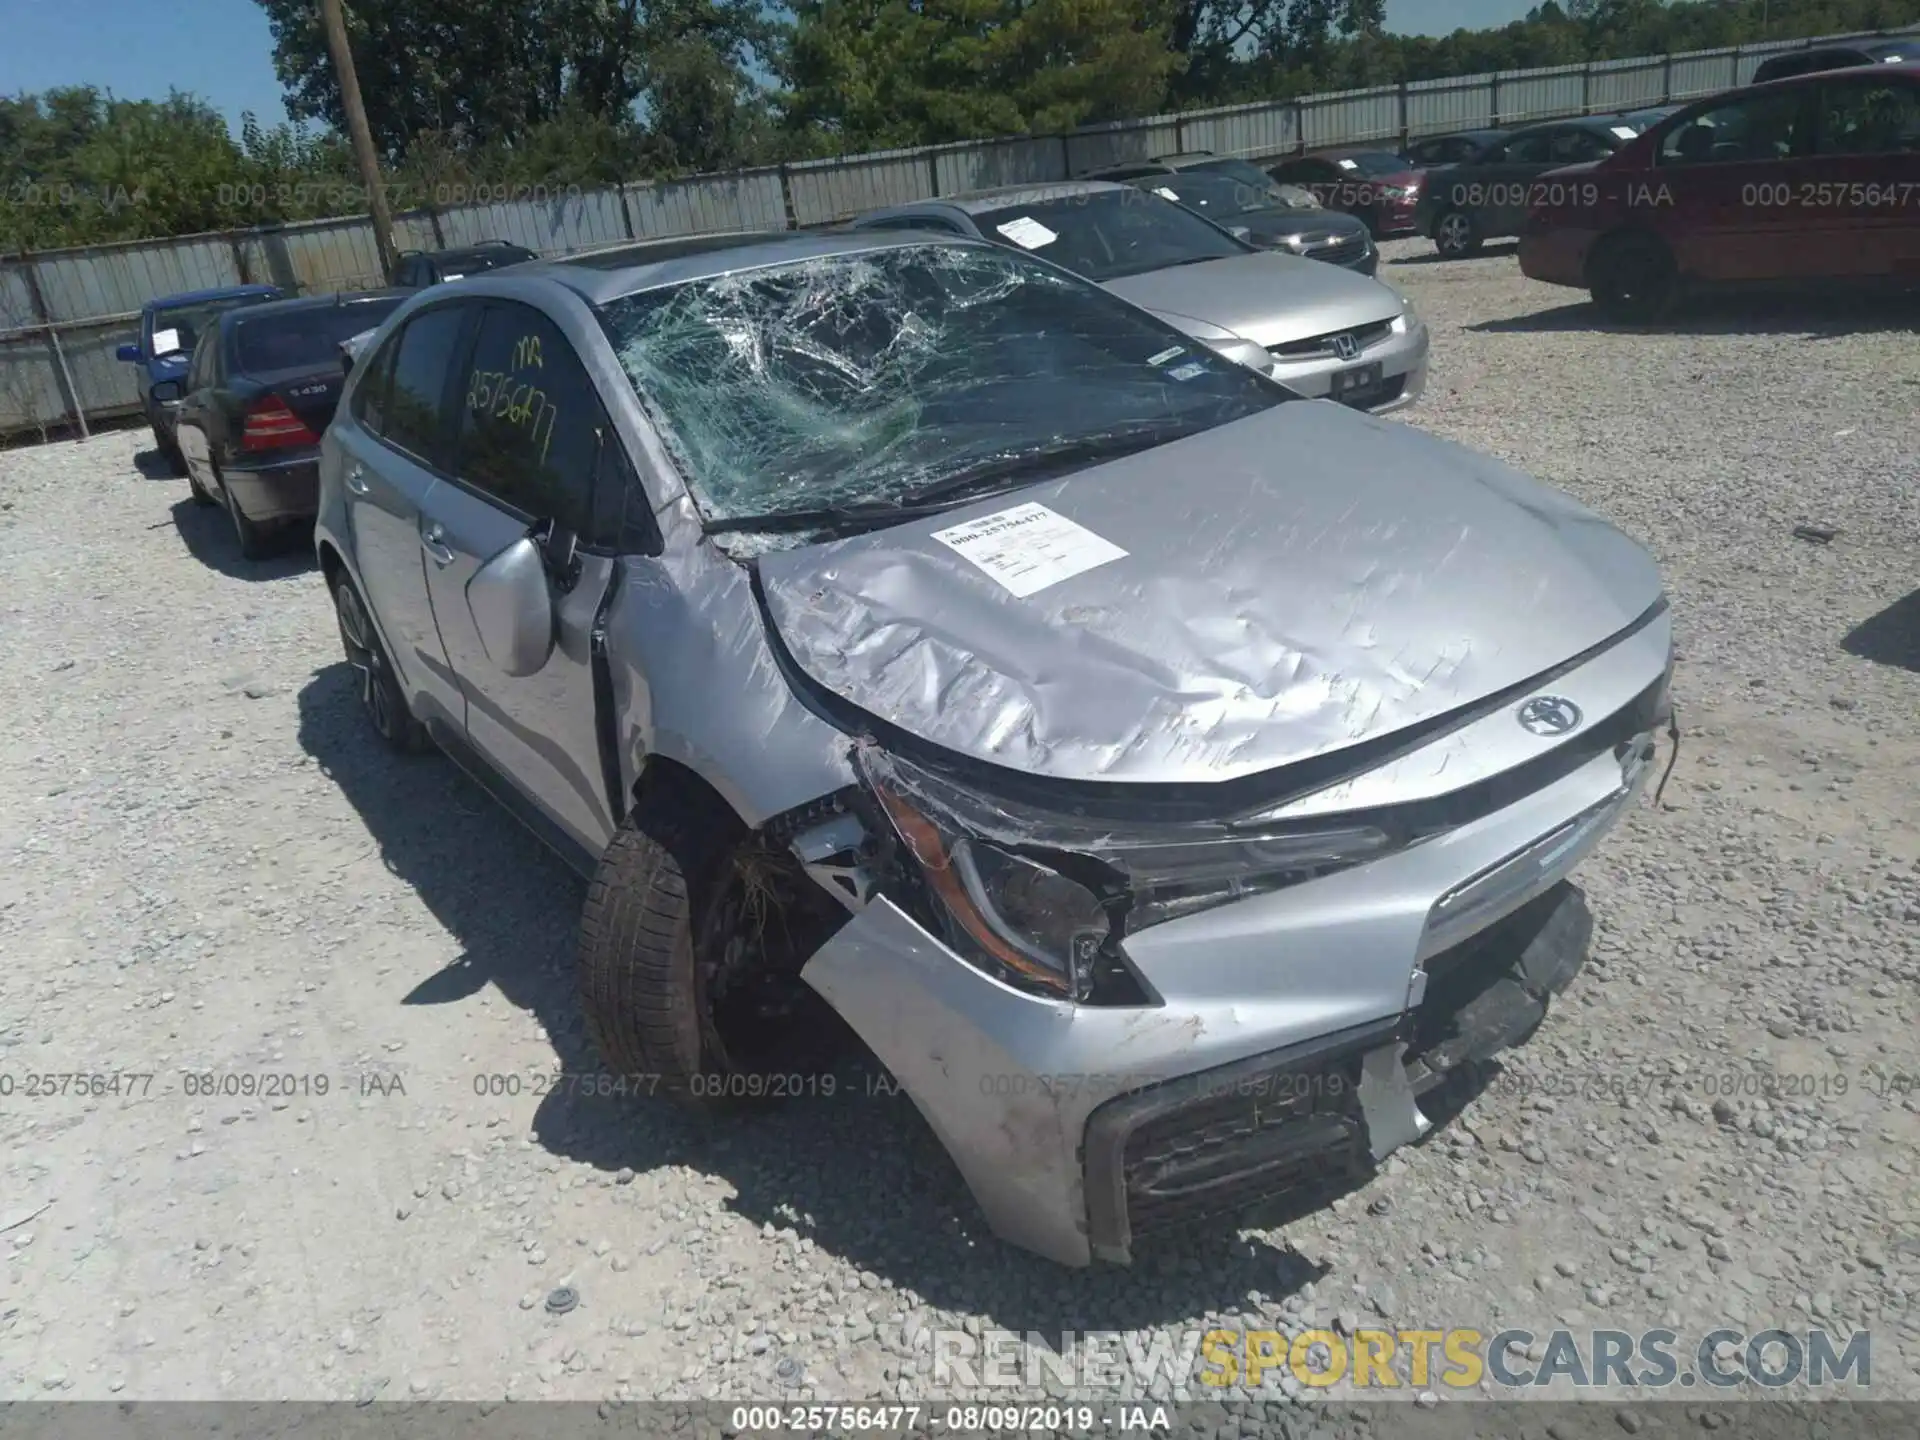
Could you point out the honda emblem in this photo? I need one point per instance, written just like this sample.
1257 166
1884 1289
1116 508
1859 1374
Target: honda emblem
1346 347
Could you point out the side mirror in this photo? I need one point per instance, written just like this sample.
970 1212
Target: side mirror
512 608
128 353
167 392
1241 232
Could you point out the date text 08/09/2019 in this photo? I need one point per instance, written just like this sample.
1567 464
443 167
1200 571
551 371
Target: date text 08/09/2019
966 1419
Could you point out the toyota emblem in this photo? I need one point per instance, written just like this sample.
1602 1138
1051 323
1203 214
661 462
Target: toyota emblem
1346 346
1549 715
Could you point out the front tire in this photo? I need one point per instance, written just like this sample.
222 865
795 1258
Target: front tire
1633 279
691 943
380 692
1456 235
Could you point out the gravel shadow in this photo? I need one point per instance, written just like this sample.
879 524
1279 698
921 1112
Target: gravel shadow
856 1171
209 537
1812 315
154 466
1890 638
1496 251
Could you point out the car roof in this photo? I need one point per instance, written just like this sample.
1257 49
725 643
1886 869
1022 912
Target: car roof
598 276
978 202
219 292
1908 68
1600 124
478 251
310 302
1492 133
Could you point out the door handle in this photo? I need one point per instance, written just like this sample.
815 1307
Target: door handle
433 541
357 478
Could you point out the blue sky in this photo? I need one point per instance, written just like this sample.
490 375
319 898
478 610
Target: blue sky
223 51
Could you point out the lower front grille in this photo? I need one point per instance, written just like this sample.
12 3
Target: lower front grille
1387 391
1289 1126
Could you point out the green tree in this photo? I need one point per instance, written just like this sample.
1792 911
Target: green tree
875 73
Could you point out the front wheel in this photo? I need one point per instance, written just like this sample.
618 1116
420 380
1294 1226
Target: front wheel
380 693
1633 278
691 945
1456 235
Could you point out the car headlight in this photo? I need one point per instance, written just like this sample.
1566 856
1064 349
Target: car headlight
1242 352
1407 319
1032 924
1037 898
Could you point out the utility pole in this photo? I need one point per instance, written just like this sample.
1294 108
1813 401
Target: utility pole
362 137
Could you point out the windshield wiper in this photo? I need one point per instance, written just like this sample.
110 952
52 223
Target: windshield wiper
953 489
1106 445
856 516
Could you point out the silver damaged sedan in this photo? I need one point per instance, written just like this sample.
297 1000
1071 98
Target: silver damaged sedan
1323 331
1173 781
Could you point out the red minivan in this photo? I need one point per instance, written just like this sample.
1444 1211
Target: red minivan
1816 178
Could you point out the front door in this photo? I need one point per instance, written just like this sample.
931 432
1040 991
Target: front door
398 437
529 431
1730 181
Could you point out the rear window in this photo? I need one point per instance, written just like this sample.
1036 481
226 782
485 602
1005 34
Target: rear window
296 339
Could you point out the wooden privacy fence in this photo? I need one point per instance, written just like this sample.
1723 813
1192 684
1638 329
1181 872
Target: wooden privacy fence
64 312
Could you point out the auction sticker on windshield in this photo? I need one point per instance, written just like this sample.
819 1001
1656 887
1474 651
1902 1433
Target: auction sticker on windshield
1029 547
1027 232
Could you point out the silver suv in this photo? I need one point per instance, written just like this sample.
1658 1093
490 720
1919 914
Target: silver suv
1172 780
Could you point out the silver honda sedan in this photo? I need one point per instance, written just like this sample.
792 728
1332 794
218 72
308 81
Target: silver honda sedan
1172 780
1323 332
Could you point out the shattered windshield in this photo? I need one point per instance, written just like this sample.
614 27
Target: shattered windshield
877 378
1107 234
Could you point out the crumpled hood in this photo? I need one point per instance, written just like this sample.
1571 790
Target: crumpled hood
1266 298
1292 584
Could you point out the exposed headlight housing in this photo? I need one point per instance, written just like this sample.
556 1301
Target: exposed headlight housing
1038 898
1407 319
1243 352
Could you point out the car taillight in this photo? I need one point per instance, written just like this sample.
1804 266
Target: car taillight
270 425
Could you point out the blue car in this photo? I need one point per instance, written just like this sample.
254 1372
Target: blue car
170 327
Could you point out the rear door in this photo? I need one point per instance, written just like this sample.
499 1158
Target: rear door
1728 185
193 424
1862 186
393 449
529 433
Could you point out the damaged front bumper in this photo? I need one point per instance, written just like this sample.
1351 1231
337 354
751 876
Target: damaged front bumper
1293 1034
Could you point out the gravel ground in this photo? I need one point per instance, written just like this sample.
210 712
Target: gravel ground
207 868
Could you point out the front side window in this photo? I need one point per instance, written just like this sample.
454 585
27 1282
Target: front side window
425 355
1767 126
200 371
1107 234
870 379
1859 117
1528 149
530 420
